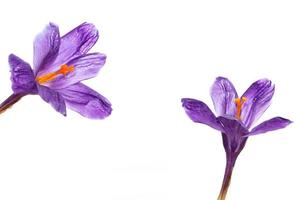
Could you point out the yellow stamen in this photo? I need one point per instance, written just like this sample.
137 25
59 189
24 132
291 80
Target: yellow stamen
239 103
64 70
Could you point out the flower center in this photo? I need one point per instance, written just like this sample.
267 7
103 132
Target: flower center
64 70
239 103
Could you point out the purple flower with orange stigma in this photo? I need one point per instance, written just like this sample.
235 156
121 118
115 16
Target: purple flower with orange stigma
236 115
59 66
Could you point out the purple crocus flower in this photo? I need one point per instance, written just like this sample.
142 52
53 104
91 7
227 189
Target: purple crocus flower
236 115
60 63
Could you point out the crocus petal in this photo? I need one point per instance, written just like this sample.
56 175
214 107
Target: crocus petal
75 43
85 67
86 101
234 132
21 75
258 99
54 98
223 95
232 126
46 46
200 112
270 125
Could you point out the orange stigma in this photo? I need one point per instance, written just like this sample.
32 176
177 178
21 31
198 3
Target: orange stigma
239 103
64 70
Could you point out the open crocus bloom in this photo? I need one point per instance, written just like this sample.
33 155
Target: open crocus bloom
236 115
60 63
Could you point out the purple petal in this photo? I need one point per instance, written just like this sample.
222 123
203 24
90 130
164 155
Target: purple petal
232 126
86 101
75 43
46 46
21 75
233 140
258 96
200 112
54 98
270 125
223 95
85 67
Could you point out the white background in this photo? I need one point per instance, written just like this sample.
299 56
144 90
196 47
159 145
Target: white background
148 149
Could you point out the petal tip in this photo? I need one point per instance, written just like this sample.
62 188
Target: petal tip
265 82
88 27
100 115
102 57
286 121
186 102
183 100
219 78
11 56
53 25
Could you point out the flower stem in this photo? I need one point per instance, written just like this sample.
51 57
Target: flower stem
11 100
226 179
